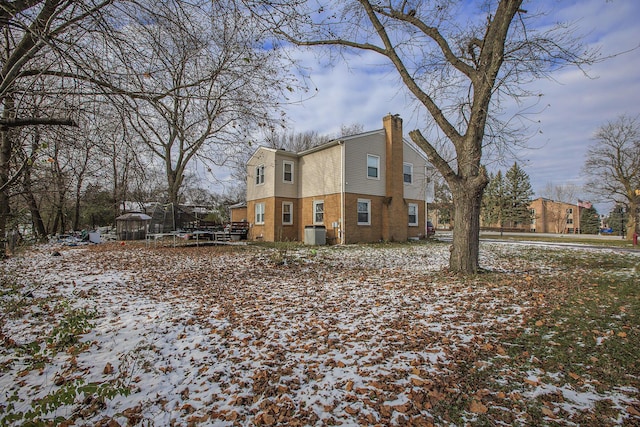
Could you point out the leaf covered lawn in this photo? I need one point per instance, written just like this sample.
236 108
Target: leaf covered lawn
292 335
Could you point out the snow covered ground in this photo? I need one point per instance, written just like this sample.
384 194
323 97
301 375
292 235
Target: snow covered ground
355 335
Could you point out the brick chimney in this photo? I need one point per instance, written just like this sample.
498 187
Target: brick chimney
395 215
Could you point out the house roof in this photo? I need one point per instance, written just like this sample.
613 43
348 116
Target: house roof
335 142
238 205
273 150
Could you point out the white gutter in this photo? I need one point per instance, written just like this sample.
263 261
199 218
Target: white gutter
342 195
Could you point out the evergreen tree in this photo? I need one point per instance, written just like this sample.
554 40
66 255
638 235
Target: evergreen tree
617 219
517 197
589 221
493 200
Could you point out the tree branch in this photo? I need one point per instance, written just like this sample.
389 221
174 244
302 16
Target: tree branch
34 121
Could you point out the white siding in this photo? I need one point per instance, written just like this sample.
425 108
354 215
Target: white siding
320 172
415 190
266 157
286 189
356 151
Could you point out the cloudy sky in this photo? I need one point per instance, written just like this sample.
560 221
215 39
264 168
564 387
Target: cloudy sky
361 90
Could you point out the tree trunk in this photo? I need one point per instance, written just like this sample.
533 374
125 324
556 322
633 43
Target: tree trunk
632 223
76 213
174 181
466 230
4 214
78 200
5 165
36 218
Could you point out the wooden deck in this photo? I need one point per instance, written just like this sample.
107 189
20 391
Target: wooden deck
233 232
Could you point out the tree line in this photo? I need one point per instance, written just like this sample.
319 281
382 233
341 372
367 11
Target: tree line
117 100
108 101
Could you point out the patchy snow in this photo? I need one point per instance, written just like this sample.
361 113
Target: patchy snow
354 334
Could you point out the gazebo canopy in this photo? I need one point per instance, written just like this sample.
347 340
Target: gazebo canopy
134 216
132 226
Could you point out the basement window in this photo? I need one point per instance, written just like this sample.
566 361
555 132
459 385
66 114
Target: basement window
287 213
413 215
318 212
364 212
259 213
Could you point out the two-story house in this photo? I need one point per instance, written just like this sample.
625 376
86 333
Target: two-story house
362 188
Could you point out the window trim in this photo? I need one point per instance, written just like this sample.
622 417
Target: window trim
260 175
284 171
410 173
377 159
417 222
259 212
314 212
368 212
290 222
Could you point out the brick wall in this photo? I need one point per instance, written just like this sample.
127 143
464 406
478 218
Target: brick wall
331 215
394 204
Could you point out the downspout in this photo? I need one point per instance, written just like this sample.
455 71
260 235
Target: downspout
342 192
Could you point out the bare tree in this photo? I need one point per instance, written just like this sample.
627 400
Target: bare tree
294 141
199 81
461 67
556 213
613 166
39 38
200 86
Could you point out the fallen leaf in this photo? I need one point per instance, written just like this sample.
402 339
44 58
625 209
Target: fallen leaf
622 334
574 376
419 382
351 410
477 407
633 411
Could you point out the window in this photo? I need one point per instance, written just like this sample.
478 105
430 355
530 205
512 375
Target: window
260 175
570 221
570 211
413 214
287 171
287 213
373 166
259 213
318 212
407 172
364 212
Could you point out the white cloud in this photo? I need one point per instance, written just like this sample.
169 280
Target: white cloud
362 90
356 90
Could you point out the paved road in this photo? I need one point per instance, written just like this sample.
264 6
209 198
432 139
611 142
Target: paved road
573 240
